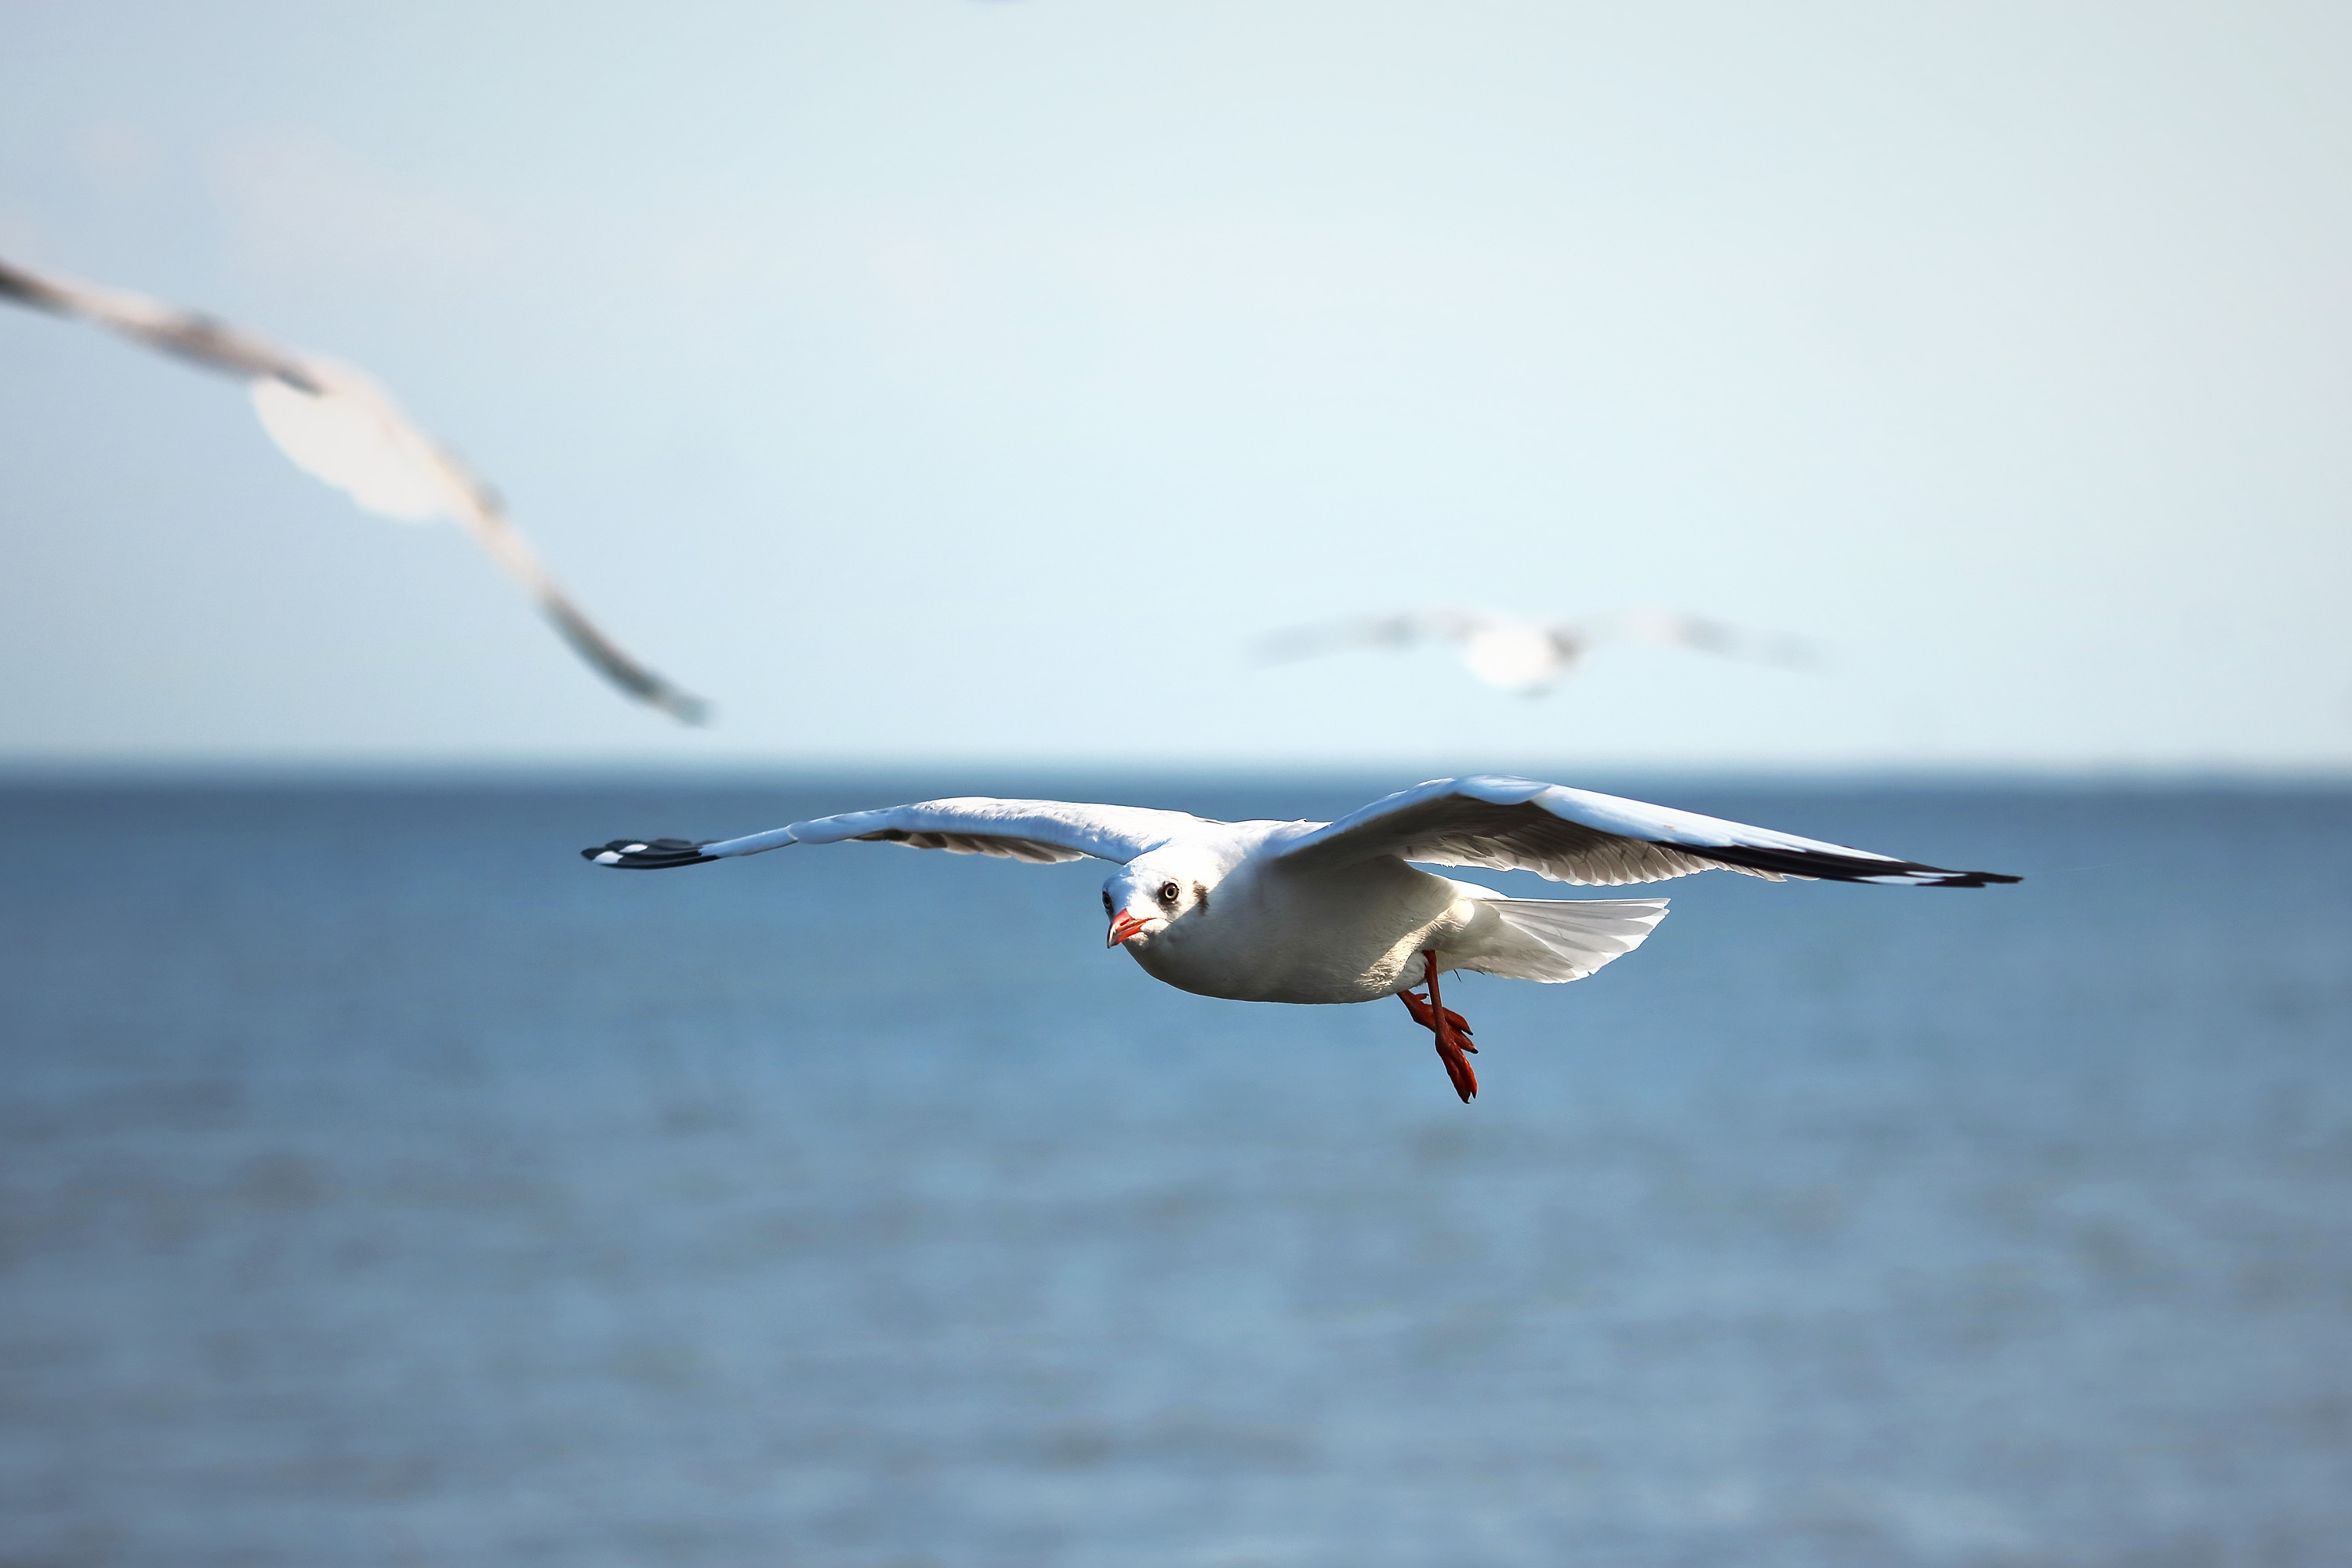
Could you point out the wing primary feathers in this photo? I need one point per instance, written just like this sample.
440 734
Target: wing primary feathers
30 288
1842 868
648 853
606 657
1579 836
200 340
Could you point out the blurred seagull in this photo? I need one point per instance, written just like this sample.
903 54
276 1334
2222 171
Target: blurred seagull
1329 911
1528 658
340 426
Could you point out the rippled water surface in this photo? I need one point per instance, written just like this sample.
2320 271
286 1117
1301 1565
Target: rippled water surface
380 1184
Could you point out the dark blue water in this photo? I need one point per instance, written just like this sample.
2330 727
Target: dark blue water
381 1185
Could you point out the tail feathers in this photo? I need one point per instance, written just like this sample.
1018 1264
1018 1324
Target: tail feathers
648 854
1557 940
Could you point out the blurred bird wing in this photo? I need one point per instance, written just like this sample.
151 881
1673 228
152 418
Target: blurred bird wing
337 425
1668 628
1406 630
1042 832
1579 837
190 334
351 434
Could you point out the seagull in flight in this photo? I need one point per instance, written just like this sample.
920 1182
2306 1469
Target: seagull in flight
1530 658
1334 911
338 426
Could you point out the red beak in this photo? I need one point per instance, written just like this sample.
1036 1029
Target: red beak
1128 924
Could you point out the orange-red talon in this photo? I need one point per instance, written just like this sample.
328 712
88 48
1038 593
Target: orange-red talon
1453 1031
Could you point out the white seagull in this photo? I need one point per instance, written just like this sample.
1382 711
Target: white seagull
1530 658
339 427
1331 911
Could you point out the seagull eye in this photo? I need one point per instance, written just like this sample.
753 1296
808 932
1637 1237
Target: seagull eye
1168 892
1106 903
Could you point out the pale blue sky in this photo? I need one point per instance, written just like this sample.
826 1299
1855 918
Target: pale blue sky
923 378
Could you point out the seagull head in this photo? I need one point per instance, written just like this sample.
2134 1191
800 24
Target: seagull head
1150 893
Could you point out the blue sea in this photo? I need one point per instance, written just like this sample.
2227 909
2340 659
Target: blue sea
380 1184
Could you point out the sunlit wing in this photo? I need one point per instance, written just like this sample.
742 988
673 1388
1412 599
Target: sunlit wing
339 427
1042 832
1576 836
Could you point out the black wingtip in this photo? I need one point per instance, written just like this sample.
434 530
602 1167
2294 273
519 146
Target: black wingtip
1826 867
648 854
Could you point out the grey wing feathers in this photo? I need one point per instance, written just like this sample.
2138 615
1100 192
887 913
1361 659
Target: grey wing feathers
606 657
1371 631
1458 831
189 334
1667 628
1041 832
1034 851
1582 836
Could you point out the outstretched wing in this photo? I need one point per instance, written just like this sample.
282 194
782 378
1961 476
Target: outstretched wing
190 334
1667 628
339 427
1407 630
1577 836
1042 832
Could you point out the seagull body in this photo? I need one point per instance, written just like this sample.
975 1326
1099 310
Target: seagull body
1319 913
1530 658
337 425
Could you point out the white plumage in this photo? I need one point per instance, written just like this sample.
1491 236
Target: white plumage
338 425
1328 912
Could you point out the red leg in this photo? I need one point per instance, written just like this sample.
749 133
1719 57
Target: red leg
1418 1006
1453 1033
